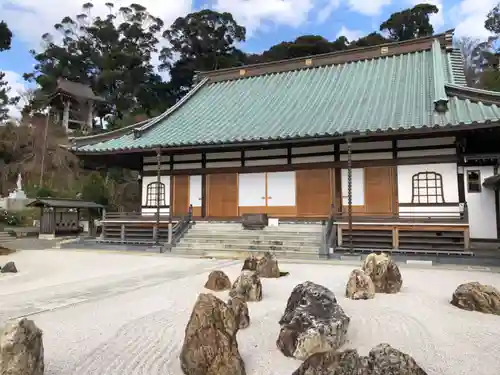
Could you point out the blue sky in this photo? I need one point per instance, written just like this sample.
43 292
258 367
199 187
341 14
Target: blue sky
268 21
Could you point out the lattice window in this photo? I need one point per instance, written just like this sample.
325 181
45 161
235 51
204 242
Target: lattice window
427 187
152 191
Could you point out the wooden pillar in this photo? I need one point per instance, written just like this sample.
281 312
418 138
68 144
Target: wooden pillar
171 190
65 122
337 180
54 221
349 189
158 193
203 186
90 115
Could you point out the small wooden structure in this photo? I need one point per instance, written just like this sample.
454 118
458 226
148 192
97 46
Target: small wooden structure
62 216
73 105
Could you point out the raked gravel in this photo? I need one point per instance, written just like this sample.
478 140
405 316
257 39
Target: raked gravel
126 314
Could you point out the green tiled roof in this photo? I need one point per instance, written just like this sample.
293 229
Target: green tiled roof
385 94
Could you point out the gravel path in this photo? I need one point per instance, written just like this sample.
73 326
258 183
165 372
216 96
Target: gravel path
132 322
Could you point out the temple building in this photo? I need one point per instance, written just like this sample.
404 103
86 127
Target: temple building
388 139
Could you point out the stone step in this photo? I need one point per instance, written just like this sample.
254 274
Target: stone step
242 253
254 233
236 245
6 237
225 236
239 245
280 228
250 242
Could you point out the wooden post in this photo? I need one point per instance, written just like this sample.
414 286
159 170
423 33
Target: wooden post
349 190
158 192
122 233
170 233
44 148
67 105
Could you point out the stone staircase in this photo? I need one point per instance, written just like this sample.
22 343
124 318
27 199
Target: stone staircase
231 240
5 237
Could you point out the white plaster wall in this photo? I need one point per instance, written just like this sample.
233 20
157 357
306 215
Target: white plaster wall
147 180
358 187
481 206
447 170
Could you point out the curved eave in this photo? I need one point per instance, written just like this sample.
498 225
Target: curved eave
141 126
473 94
473 125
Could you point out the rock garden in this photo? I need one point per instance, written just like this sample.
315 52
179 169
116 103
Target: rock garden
321 328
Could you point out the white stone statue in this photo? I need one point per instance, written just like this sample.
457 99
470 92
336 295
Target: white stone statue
19 184
18 194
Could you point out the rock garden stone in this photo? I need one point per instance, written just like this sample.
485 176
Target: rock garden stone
218 281
384 273
382 360
10 267
250 263
210 346
359 286
247 286
474 296
21 348
267 266
313 322
240 309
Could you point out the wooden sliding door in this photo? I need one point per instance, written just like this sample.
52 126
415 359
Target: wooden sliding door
314 192
222 195
181 195
379 190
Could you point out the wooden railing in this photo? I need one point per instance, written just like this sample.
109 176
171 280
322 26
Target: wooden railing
329 235
448 214
136 216
179 229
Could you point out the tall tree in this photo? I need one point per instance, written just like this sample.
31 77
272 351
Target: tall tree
5 36
201 41
113 54
490 74
410 23
371 39
305 45
5 99
476 55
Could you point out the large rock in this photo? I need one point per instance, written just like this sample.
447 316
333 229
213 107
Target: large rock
10 267
247 286
384 273
474 296
267 266
21 349
240 310
359 286
313 322
210 346
250 263
382 360
217 281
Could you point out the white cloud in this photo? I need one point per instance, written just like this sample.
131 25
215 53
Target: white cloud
368 7
468 16
254 14
30 19
326 10
350 34
17 87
